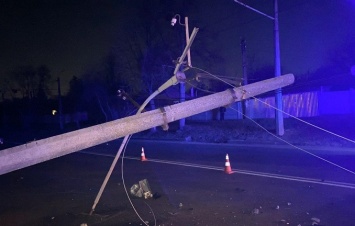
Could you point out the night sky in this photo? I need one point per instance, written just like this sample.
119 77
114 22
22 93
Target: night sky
70 37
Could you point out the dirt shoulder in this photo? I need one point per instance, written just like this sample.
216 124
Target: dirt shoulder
262 131
328 131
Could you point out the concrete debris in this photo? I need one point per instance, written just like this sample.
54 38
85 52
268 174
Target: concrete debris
142 189
315 221
256 211
284 222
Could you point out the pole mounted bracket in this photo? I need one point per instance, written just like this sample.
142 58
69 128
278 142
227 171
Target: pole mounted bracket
235 98
180 76
244 92
165 126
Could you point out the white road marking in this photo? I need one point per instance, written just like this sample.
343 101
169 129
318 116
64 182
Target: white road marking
246 172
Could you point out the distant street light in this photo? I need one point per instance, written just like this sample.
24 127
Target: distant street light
278 95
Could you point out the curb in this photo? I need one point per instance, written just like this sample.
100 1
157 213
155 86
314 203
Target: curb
321 149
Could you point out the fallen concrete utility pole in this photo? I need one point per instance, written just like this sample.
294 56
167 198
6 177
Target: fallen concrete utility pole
29 154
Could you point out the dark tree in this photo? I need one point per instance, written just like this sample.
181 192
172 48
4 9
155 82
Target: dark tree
74 99
44 77
262 73
335 74
26 81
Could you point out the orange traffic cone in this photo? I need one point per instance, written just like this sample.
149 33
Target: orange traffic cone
228 168
143 155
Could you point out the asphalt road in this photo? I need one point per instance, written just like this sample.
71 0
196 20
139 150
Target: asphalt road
269 186
320 164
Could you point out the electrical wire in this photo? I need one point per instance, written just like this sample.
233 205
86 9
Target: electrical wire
155 220
198 88
310 124
172 81
317 80
283 140
214 76
294 146
303 121
236 24
125 188
294 117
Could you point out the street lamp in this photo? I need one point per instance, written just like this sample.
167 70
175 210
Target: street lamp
278 93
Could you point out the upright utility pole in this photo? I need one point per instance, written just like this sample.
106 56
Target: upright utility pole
278 93
245 75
